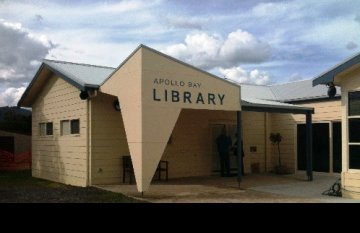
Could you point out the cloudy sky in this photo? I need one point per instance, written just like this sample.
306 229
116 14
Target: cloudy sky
249 41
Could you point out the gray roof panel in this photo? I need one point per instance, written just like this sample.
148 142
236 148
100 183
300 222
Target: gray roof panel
82 74
268 103
274 96
299 90
91 75
257 91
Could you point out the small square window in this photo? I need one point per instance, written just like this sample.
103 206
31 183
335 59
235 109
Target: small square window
75 126
49 128
46 129
70 127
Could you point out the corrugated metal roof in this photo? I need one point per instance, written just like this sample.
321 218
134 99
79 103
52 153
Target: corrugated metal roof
84 74
81 73
255 95
257 91
299 90
246 101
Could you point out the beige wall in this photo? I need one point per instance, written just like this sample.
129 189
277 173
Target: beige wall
254 131
284 124
108 141
349 81
325 110
22 142
59 158
190 152
149 116
183 78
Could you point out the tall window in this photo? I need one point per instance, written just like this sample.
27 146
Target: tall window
70 127
354 130
46 129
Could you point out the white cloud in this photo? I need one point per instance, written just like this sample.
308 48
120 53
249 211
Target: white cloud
240 75
208 51
11 96
20 51
241 46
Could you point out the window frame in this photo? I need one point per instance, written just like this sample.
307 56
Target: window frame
70 128
348 118
46 129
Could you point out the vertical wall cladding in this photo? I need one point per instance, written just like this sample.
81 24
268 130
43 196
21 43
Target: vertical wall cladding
189 152
285 125
56 157
108 141
253 124
328 110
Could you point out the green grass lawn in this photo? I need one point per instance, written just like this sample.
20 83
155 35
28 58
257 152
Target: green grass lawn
19 186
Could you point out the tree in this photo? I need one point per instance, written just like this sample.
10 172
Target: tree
276 138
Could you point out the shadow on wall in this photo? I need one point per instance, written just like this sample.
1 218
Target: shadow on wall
51 159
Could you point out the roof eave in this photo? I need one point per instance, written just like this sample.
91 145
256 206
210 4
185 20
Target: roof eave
80 86
276 109
324 79
329 75
91 86
312 99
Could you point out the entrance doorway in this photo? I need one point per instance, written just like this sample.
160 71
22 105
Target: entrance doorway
321 147
215 132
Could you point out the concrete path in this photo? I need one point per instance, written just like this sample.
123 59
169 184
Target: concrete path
311 190
267 188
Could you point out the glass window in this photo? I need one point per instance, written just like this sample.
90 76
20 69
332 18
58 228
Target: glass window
354 156
46 128
75 126
354 103
65 127
49 128
42 127
354 130
70 127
